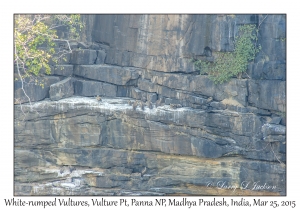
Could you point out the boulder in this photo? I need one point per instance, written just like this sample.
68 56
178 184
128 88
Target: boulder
94 88
62 89
35 91
105 73
83 57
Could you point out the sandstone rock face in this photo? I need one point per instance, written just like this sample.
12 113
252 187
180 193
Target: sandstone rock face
32 90
93 88
105 73
142 121
83 57
62 89
99 147
260 93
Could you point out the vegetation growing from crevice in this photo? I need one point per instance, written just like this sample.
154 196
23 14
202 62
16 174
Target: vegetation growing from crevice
231 64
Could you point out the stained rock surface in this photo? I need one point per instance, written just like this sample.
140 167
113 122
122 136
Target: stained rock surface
91 147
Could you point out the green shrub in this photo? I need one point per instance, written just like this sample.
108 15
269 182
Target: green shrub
34 40
231 64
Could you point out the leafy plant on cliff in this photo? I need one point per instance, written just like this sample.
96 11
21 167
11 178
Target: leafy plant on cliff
231 64
35 43
35 37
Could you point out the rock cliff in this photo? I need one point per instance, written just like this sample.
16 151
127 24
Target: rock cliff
127 113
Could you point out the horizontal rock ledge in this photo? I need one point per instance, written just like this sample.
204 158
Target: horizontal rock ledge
106 73
112 122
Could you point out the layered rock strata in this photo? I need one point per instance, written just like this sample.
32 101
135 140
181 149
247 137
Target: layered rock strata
127 113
